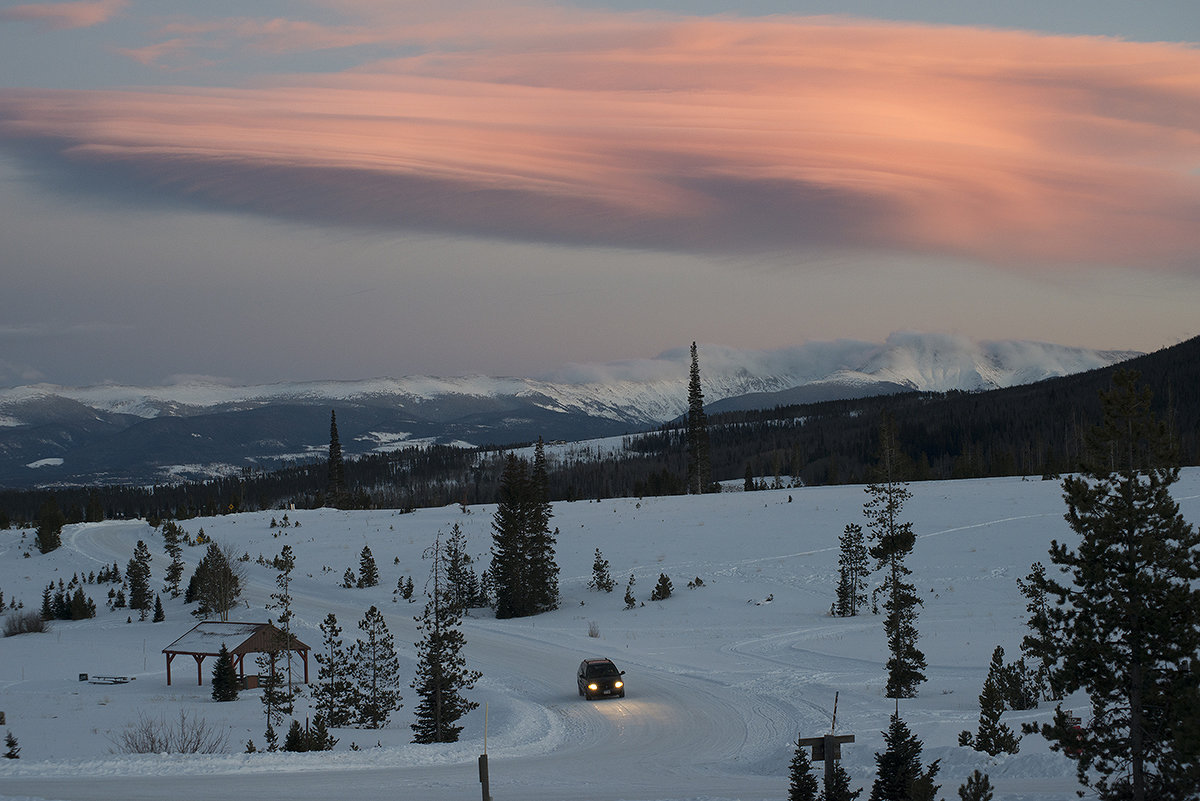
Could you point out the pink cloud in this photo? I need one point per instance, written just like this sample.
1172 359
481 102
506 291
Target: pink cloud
718 134
62 16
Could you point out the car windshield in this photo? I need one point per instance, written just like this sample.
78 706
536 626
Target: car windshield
602 670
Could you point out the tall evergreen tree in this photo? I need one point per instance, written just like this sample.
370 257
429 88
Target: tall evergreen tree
335 488
524 573
837 785
333 692
802 784
899 775
224 677
137 576
699 460
216 584
173 543
442 673
992 736
853 569
461 582
49 528
1124 626
281 601
1034 590
543 566
276 698
368 572
893 540
376 671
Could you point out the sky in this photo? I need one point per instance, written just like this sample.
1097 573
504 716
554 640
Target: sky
342 189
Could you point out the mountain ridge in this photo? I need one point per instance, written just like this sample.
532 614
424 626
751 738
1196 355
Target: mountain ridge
117 434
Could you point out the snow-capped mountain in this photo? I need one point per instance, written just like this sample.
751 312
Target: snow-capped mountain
117 433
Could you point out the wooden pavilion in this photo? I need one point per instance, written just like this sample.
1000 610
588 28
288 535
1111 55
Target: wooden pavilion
206 638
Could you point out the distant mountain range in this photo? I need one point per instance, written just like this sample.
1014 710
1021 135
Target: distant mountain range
146 435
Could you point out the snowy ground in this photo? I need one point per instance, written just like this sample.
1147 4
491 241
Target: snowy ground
720 679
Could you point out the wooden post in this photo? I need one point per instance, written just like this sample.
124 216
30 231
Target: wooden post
483 777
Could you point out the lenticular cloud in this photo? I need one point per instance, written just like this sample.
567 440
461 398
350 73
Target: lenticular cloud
719 135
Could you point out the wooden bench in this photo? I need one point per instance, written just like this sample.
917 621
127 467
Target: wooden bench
109 679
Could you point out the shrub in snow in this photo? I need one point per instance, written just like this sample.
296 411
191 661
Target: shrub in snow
187 735
662 590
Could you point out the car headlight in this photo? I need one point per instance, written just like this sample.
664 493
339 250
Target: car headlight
619 684
593 686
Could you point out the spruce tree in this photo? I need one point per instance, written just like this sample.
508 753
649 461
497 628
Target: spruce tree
802 784
159 613
368 572
524 573
281 601
335 488
976 788
630 601
1038 607
543 567
137 576
173 543
1123 626
442 674
853 569
461 582
699 463
224 677
899 775
296 738
992 737
49 528
13 750
333 692
376 672
662 590
837 785
275 697
893 541
216 584
602 580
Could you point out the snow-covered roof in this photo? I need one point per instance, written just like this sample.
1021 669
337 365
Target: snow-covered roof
206 638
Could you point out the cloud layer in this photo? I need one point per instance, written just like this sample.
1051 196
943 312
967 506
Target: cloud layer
64 16
719 135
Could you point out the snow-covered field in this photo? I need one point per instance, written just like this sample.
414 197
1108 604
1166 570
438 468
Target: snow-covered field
720 679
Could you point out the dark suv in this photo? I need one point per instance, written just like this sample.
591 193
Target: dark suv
598 677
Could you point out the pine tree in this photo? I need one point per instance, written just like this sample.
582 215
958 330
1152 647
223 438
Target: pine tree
543 568
368 573
319 739
900 776
662 590
173 543
296 738
1034 590
333 693
602 580
630 601
13 749
81 607
376 671
853 569
802 784
992 737
837 785
336 483
461 582
137 576
159 613
699 464
524 573
1123 626
281 600
442 674
224 677
276 699
893 541
216 584
49 528
48 603
977 788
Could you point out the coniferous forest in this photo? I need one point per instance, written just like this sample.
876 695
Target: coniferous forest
1034 430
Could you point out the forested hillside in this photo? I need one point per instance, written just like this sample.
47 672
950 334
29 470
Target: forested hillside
1034 429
